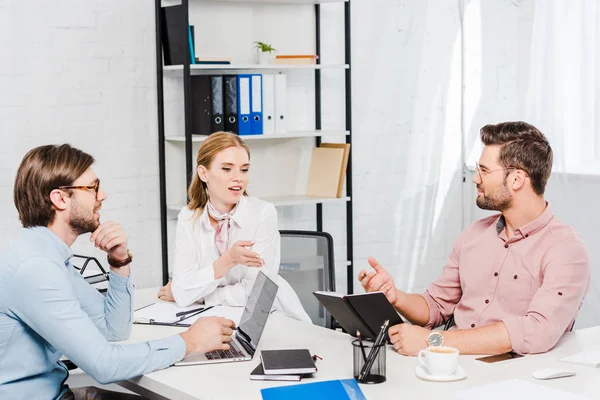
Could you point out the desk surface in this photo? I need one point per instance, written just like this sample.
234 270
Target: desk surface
231 380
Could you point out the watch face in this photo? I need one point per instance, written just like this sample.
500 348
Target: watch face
435 339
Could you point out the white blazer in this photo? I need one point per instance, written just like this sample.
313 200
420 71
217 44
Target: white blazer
195 253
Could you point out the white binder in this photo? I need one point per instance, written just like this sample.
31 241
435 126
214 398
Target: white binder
268 92
280 103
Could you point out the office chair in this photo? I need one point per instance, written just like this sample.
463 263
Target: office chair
307 263
96 278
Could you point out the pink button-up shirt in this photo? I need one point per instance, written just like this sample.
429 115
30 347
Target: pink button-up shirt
534 282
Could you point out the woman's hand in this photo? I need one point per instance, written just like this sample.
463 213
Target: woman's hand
239 253
165 293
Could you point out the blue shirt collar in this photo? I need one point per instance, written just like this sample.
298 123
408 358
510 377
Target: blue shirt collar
46 234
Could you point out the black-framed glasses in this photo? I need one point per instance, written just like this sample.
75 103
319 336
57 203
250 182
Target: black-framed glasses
95 187
482 173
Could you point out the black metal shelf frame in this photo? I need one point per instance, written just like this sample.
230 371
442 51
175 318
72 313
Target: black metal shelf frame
189 157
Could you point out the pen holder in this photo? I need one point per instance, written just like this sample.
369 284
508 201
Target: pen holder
377 372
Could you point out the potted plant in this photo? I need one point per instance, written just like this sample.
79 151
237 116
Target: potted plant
265 52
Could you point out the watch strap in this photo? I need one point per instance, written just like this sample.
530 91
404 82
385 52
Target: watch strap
117 264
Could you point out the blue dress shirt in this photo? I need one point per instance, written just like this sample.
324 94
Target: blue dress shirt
47 309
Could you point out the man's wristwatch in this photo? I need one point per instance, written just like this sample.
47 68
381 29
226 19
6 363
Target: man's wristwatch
435 339
117 264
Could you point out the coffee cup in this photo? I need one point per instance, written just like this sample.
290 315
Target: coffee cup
439 360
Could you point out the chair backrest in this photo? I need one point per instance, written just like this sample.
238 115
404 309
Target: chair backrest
307 263
95 276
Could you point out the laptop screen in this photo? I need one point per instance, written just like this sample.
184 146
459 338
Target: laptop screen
258 308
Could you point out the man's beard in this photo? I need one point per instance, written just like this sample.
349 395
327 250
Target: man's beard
500 200
80 223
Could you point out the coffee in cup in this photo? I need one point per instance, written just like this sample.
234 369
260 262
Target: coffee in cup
439 360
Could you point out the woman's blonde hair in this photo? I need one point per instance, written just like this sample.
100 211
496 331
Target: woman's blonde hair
214 144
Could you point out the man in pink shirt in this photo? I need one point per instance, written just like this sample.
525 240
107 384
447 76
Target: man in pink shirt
514 280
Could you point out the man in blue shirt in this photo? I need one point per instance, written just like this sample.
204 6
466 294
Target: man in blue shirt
46 307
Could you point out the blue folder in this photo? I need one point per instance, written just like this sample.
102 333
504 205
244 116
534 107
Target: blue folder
346 389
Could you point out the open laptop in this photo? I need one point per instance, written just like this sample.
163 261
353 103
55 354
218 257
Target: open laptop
245 339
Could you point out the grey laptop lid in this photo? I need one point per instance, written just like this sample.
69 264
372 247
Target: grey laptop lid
257 310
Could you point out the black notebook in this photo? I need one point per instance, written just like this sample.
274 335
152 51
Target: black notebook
259 375
293 361
364 312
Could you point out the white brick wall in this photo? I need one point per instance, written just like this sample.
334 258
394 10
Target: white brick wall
83 73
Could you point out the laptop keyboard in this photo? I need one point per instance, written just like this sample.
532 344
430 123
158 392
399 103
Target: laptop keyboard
233 352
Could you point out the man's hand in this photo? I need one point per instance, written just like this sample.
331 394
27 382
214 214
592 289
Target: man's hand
408 339
208 334
165 293
378 281
111 238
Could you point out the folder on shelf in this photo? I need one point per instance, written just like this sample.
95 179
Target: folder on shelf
191 43
364 312
217 123
244 84
174 35
201 104
256 113
280 103
268 92
230 103
324 172
346 148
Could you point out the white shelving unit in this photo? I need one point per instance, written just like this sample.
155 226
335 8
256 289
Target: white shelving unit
288 135
165 3
201 69
279 162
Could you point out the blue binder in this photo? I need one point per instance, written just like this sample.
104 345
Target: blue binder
191 41
344 389
244 84
257 104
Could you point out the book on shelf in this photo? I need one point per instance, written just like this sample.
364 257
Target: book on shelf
213 60
346 148
295 59
327 170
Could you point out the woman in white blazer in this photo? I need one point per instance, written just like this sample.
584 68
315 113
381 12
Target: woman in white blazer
224 237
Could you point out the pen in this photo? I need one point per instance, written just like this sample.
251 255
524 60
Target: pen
362 348
366 369
192 314
179 314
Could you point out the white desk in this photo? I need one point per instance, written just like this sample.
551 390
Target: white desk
231 380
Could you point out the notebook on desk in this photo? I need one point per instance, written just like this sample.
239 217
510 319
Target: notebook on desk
287 361
245 339
364 312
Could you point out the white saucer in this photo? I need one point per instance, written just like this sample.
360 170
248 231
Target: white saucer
423 373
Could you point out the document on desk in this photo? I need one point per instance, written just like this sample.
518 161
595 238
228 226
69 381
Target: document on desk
166 313
516 389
